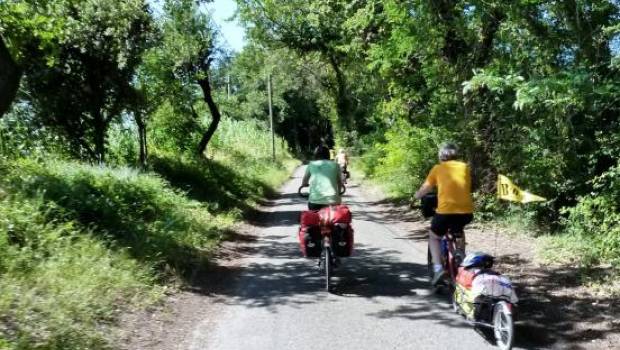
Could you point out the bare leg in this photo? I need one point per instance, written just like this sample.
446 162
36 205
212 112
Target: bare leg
434 245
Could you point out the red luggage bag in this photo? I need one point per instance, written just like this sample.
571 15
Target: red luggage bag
339 217
309 234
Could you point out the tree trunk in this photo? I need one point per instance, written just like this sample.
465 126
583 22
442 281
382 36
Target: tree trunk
342 100
10 75
215 114
454 46
491 23
141 137
99 137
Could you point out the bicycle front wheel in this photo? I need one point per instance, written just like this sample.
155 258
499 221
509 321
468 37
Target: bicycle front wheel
503 325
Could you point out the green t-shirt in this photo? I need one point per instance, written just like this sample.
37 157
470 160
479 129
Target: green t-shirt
323 182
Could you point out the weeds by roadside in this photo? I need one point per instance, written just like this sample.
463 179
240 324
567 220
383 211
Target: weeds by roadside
82 244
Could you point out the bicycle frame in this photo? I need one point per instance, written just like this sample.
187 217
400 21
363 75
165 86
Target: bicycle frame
448 243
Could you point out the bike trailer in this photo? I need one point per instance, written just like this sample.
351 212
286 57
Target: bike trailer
477 288
309 234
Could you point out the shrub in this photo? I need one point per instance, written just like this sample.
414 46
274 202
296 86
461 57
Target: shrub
402 162
80 243
592 227
128 209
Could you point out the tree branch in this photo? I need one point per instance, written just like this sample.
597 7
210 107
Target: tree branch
215 114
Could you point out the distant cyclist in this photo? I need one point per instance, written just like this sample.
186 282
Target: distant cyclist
343 162
455 207
323 177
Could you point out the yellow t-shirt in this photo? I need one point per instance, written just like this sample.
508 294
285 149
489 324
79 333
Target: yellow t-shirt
453 181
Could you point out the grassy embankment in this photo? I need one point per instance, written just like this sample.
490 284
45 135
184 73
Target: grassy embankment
81 244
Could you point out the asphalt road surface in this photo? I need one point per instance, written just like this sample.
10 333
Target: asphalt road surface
381 300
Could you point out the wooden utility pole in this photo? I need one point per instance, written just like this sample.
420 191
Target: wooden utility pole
273 138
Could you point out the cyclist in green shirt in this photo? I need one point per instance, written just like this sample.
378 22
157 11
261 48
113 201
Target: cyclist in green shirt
323 177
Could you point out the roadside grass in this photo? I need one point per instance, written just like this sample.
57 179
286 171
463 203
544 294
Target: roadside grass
60 286
583 253
82 244
127 209
356 168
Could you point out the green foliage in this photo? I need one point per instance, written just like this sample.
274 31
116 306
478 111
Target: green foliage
240 169
59 284
85 83
22 135
123 145
592 235
316 30
82 244
136 211
173 130
301 115
177 67
32 25
402 162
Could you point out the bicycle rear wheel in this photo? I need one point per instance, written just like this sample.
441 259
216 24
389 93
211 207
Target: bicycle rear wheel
503 326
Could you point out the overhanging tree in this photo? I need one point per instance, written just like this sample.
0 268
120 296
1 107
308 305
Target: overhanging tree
309 27
183 60
78 72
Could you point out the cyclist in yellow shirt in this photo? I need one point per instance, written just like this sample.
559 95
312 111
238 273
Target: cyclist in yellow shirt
455 206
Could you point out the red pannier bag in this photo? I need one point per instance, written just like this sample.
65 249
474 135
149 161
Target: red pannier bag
309 234
341 214
339 217
342 239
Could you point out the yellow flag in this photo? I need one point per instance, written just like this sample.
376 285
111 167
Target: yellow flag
506 190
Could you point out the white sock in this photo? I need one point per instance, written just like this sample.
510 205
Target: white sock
437 267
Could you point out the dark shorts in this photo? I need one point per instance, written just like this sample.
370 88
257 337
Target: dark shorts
314 206
441 223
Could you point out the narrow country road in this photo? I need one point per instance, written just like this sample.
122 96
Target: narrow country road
276 299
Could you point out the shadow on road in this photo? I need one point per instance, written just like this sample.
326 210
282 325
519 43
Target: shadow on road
279 276
292 279
547 314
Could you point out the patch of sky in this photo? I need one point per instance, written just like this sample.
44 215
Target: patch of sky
469 10
614 45
223 14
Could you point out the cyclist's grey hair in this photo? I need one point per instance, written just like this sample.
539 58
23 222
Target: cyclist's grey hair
448 151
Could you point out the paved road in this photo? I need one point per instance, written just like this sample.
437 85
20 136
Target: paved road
277 301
